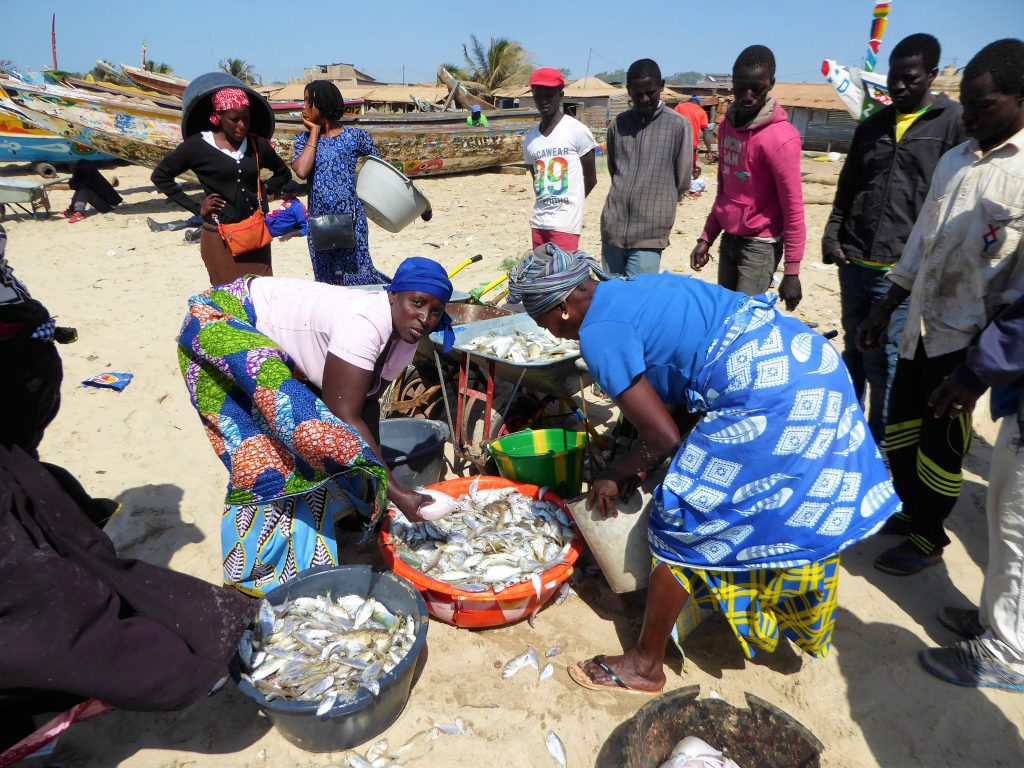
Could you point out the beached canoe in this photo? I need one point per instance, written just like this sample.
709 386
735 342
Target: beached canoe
21 141
169 84
142 134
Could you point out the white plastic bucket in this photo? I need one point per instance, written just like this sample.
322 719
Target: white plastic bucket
619 544
391 200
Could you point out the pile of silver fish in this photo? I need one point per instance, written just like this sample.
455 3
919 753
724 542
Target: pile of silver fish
523 346
319 649
494 539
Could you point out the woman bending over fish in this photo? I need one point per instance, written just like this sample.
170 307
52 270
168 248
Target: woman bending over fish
773 474
286 376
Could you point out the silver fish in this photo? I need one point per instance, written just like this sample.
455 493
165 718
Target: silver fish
327 704
357 761
545 673
496 539
556 748
553 651
516 664
379 748
532 658
324 650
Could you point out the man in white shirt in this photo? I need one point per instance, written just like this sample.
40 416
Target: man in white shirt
961 266
560 154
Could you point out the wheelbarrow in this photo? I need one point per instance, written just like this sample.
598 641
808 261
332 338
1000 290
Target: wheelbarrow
19 193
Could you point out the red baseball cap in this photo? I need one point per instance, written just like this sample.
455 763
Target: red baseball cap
547 76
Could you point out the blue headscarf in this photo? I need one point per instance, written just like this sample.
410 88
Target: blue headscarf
419 274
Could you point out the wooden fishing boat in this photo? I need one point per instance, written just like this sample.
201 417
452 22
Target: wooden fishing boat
463 97
168 84
123 92
418 145
23 142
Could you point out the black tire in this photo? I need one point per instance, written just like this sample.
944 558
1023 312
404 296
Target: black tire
45 170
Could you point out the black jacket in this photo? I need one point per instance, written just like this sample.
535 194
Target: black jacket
218 173
883 184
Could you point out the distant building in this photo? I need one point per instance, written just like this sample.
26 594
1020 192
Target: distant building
342 74
591 101
717 79
816 112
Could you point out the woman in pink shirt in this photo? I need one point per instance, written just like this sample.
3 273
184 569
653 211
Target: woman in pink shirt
286 376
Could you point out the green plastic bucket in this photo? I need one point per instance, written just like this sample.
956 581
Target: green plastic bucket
551 458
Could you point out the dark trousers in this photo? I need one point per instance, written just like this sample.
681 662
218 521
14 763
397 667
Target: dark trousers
747 265
873 371
925 453
29 391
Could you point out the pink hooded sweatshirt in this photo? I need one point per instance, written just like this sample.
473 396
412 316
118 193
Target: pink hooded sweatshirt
759 188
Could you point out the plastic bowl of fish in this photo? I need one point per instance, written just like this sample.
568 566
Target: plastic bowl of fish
331 656
497 559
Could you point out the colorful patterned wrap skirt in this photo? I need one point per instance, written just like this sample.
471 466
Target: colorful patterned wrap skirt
773 483
293 466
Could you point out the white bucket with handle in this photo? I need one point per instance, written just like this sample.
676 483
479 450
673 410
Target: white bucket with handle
391 200
619 544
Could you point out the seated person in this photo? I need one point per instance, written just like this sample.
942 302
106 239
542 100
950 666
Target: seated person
697 185
290 218
90 189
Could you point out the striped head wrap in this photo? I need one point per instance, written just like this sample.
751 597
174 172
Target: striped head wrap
228 98
547 276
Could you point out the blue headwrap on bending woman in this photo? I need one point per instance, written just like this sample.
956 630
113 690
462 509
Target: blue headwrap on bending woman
419 274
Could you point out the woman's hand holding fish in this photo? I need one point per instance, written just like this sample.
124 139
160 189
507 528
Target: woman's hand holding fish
409 503
602 496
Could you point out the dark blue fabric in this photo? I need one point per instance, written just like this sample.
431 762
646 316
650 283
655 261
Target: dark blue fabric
859 289
288 218
332 189
419 274
658 325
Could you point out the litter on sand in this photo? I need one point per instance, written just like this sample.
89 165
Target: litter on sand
116 381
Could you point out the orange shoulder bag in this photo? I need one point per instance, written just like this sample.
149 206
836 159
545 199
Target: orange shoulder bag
252 233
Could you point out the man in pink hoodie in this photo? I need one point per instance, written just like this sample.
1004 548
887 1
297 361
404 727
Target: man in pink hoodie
759 207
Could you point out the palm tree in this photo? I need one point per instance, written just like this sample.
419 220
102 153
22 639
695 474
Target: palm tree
159 67
503 62
241 69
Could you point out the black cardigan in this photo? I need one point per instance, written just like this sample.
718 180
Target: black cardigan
218 173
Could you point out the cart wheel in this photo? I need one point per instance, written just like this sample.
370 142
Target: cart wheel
416 383
46 170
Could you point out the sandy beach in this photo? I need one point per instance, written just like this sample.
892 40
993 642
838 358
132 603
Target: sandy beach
124 288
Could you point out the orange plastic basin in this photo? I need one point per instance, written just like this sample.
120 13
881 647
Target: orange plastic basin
483 609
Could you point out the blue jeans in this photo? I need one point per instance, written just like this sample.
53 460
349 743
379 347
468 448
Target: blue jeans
630 262
859 288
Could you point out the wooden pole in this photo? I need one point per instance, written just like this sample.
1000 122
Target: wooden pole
53 39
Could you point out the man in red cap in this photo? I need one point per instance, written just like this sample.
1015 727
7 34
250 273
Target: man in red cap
560 154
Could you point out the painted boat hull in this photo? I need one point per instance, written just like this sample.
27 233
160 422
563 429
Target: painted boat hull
143 136
167 84
22 142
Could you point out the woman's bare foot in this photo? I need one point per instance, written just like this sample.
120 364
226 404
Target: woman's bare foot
635 672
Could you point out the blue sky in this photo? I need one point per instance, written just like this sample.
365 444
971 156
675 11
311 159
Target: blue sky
280 38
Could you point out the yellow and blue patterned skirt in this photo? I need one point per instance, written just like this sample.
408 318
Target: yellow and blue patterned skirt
799 602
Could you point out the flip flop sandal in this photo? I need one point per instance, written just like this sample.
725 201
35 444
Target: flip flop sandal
905 565
581 678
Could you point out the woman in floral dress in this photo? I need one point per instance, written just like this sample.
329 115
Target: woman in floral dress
328 152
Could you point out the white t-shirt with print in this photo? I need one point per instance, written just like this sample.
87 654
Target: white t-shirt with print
558 174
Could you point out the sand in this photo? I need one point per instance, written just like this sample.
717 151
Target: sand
125 287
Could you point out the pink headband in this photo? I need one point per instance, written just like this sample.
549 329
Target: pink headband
228 98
